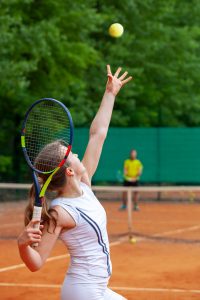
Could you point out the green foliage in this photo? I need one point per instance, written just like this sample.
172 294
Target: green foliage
5 166
60 49
44 53
160 47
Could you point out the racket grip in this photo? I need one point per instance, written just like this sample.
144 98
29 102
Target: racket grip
37 212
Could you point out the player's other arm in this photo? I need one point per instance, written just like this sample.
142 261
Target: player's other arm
30 256
100 124
46 236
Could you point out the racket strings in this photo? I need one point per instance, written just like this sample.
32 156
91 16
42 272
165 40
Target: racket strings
47 130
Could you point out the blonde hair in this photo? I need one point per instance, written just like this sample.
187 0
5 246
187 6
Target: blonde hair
55 152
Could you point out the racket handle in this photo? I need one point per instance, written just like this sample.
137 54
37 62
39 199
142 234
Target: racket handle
37 212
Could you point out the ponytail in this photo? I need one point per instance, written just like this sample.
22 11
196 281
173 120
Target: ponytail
47 215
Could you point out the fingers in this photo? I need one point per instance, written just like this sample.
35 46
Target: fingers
34 227
127 80
117 72
114 82
30 234
34 235
123 76
109 73
35 239
34 231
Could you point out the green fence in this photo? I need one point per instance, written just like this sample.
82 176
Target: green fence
169 155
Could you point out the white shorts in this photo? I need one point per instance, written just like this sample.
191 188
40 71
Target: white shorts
76 290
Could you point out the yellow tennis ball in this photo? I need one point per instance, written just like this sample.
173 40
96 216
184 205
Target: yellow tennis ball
116 30
133 241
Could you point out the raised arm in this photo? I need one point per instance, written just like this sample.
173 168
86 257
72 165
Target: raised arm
100 124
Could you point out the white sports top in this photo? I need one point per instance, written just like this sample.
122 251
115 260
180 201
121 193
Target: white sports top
87 242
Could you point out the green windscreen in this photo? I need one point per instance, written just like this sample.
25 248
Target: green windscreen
169 155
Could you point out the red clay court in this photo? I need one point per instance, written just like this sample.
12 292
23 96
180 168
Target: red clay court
164 263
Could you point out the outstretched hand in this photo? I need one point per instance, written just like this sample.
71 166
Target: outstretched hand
115 83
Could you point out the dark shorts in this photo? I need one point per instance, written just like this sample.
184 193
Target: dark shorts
130 183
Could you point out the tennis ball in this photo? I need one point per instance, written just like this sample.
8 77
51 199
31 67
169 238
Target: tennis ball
116 30
133 241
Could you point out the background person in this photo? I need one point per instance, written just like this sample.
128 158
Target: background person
132 172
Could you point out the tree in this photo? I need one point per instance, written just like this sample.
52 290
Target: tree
43 54
160 48
60 49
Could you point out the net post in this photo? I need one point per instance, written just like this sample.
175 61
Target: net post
129 208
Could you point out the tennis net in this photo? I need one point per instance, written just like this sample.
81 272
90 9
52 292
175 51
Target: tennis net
167 213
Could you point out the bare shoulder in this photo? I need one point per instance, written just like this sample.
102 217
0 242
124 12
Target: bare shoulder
64 219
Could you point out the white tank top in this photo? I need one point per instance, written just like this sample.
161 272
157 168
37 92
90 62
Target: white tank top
87 242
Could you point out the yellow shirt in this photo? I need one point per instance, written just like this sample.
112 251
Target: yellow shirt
133 168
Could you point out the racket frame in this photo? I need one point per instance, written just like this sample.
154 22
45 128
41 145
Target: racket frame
40 192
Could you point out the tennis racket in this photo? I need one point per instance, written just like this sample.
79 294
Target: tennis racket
45 122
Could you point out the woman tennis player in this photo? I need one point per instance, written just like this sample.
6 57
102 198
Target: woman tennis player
75 215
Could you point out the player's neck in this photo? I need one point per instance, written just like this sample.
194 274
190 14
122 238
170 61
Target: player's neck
71 190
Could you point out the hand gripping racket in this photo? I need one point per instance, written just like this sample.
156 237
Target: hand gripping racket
46 121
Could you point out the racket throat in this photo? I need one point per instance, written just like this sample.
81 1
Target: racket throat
46 184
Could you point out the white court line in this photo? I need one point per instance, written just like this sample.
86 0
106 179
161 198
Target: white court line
136 289
19 266
31 285
166 233
118 288
180 230
120 241
12 267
